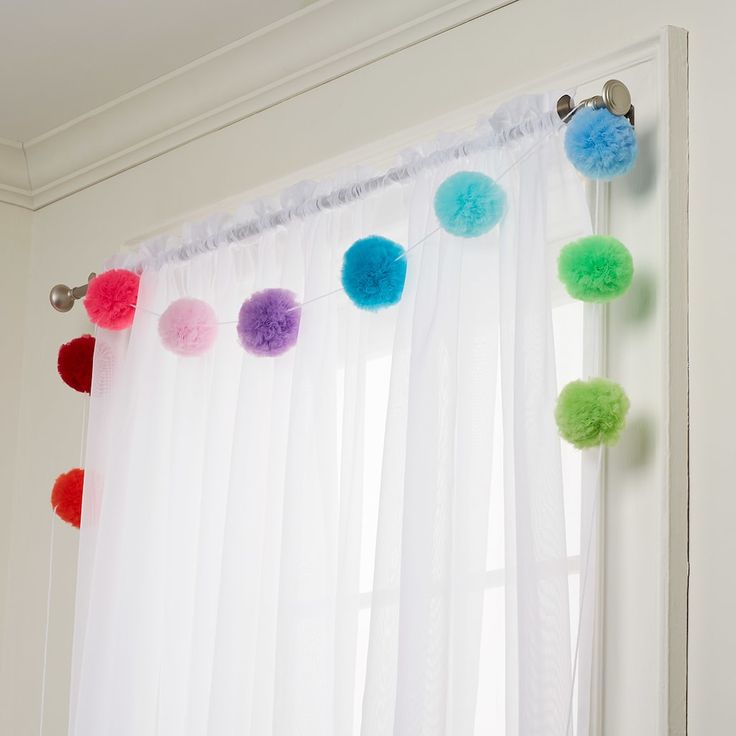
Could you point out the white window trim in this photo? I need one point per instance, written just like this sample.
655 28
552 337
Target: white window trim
659 492
665 363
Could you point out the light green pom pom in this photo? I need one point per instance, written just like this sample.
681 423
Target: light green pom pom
595 269
591 413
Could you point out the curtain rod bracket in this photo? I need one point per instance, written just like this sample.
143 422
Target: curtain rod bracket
62 297
615 97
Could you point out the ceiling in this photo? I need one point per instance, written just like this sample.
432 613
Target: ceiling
60 60
93 88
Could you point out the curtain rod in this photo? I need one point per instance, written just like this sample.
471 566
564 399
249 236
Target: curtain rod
614 96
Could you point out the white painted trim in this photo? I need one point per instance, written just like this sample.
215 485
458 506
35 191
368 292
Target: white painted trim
14 180
674 104
259 71
667 362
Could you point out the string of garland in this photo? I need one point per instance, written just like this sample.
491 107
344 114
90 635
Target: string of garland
467 204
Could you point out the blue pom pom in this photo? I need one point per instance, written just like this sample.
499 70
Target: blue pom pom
373 272
599 144
469 204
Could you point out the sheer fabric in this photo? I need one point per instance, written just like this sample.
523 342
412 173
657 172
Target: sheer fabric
305 545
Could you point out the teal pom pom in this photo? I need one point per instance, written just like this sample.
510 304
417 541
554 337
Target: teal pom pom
599 144
590 413
469 204
595 269
373 272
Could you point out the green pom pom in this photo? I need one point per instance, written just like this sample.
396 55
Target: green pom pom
596 269
590 413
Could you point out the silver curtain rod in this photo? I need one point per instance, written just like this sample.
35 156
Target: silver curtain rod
343 196
614 96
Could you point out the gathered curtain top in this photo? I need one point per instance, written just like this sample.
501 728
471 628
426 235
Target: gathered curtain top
524 117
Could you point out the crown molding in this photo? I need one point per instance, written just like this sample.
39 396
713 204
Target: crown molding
263 69
15 186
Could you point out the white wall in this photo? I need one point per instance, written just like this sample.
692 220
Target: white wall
15 241
501 51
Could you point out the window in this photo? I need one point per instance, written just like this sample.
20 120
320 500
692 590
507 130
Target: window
574 351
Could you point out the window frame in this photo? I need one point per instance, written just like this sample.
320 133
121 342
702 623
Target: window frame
642 653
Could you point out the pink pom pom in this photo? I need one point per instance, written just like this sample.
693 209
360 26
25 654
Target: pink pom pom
188 327
111 299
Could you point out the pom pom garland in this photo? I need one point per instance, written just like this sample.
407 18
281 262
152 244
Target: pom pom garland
373 272
599 144
74 363
268 322
597 268
188 327
469 204
111 299
590 413
66 496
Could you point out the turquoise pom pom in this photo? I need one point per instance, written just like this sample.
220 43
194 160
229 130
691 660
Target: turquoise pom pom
599 144
373 272
590 413
469 204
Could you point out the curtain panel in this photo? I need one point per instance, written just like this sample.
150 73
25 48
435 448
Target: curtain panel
367 534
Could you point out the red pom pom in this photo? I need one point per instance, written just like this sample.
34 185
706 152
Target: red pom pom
111 299
75 363
66 496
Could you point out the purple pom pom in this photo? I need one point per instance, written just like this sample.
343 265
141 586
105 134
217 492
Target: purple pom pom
268 323
188 327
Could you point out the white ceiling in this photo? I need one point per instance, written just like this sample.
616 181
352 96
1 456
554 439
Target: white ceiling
62 58
92 88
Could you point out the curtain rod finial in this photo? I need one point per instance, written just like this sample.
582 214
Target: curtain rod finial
62 297
615 97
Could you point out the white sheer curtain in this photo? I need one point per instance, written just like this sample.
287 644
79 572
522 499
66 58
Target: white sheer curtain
305 545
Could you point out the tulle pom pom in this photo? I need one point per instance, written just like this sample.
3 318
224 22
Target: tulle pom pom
268 323
591 413
597 268
373 272
599 144
188 327
469 204
66 496
75 363
111 299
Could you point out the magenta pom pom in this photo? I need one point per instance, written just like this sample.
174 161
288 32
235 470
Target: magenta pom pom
111 299
268 323
188 327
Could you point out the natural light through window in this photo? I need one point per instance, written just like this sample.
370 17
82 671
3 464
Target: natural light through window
568 318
